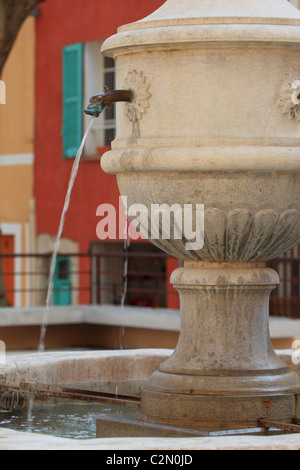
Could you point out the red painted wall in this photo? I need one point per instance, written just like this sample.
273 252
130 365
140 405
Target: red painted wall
7 246
62 23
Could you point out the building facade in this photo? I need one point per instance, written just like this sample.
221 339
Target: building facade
53 70
69 70
17 164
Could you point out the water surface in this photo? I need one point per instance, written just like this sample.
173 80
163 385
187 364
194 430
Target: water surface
66 420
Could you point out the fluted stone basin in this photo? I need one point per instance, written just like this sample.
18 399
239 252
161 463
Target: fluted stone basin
249 216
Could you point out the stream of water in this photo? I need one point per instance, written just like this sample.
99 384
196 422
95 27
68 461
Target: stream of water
32 419
74 172
125 276
41 347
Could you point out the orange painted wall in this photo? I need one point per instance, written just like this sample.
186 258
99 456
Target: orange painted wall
17 115
17 141
17 128
16 185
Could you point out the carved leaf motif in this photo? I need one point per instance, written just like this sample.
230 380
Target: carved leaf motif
137 82
282 231
262 228
239 223
215 230
294 238
242 236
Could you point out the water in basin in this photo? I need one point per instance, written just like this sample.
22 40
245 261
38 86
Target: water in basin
66 420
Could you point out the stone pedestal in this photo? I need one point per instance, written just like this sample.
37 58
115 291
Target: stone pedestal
224 371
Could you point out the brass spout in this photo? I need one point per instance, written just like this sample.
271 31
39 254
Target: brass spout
105 100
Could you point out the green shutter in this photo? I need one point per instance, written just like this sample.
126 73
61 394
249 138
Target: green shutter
62 281
72 98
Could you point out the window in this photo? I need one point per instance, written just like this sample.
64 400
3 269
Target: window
109 113
85 73
99 71
147 281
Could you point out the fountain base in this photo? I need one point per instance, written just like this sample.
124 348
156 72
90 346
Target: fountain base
216 411
113 426
224 372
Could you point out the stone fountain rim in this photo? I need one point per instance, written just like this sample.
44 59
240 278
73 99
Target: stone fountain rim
17 440
177 9
186 36
209 20
197 158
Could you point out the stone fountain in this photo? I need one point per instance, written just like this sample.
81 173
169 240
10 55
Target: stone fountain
214 120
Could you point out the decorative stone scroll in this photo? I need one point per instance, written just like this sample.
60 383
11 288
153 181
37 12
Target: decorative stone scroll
289 95
138 83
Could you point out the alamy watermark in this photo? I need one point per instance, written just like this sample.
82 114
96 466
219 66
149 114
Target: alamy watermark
2 92
160 222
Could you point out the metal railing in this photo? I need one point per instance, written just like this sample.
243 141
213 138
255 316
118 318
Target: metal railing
101 278
285 300
89 278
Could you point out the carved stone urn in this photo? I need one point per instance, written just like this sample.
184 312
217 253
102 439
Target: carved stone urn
215 121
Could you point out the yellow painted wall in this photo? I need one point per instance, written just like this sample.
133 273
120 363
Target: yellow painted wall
17 115
17 139
17 127
16 184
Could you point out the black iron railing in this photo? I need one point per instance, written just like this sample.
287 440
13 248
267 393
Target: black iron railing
285 300
89 278
104 277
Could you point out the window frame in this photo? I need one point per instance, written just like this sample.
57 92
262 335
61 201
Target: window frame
94 82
